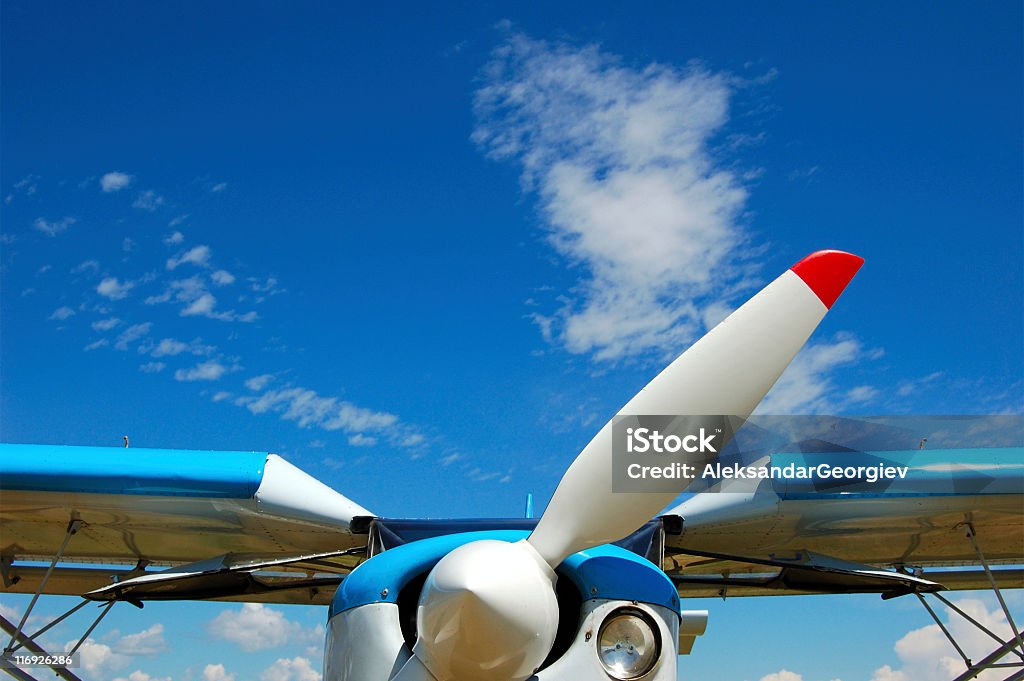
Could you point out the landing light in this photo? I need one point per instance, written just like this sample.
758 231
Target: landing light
627 644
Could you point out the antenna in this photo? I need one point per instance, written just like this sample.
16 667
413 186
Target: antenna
529 506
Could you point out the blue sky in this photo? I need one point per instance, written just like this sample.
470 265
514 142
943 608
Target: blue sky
424 253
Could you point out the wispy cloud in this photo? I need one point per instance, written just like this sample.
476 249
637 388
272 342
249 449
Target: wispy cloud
148 200
62 313
105 324
907 388
115 181
114 288
197 300
86 266
26 186
152 367
170 347
53 228
309 409
197 255
808 386
265 287
257 383
222 278
211 370
630 193
131 334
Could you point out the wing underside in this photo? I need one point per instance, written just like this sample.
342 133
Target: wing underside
235 525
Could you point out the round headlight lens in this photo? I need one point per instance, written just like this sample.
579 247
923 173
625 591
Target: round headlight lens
627 644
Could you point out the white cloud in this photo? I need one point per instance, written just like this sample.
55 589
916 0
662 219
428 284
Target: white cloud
28 186
906 388
222 395
204 371
152 367
53 228
113 288
782 675
102 342
257 627
175 237
197 255
105 324
219 187
62 313
222 278
148 200
808 383
127 245
147 642
97 659
926 655
861 393
411 440
257 383
295 669
620 160
308 408
360 440
265 287
115 181
132 334
86 266
139 675
201 306
197 301
216 672
171 347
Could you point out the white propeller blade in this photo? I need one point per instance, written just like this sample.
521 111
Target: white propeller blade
726 372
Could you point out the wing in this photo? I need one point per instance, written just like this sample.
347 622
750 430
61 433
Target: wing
233 524
956 511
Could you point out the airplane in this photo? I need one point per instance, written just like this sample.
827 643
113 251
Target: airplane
593 589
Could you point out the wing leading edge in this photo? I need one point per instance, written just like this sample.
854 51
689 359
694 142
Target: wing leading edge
162 507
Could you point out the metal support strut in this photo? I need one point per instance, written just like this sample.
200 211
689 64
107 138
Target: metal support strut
70 532
1013 646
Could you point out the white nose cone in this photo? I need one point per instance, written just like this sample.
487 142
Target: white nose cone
487 613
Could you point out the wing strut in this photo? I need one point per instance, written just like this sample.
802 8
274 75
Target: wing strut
73 527
19 639
21 674
1014 644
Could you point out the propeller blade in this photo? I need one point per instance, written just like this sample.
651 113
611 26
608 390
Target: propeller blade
727 372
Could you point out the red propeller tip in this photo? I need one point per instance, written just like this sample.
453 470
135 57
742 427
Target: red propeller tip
827 273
